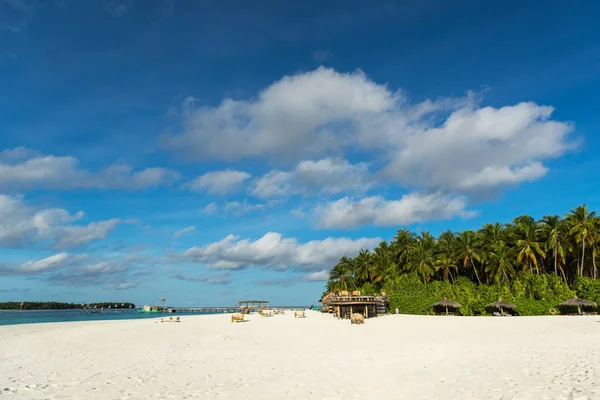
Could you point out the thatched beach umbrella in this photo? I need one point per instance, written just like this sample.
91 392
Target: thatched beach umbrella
577 302
447 304
501 305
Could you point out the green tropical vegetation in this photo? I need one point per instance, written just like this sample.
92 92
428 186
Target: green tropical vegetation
53 305
534 264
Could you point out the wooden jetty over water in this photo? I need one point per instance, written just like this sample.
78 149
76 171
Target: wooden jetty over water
242 305
202 310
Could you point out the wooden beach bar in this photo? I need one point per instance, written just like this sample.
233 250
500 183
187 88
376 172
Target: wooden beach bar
344 306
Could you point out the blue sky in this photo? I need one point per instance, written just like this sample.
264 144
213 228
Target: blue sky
207 151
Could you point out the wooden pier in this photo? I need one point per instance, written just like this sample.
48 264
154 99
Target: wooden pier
202 310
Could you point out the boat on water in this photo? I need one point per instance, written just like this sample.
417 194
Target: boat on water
150 309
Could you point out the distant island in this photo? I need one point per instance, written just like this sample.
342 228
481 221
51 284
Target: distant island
54 305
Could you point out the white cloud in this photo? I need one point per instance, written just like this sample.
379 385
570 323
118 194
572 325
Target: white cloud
244 207
183 231
480 148
274 251
22 169
298 116
493 176
219 182
210 209
70 236
411 208
22 224
48 264
328 176
443 144
317 276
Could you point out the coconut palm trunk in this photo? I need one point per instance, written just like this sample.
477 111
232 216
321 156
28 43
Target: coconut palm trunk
594 270
555 259
475 269
582 257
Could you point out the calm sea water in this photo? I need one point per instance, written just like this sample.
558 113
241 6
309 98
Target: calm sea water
10 317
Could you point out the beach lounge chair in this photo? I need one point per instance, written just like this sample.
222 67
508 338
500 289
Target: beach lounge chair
357 319
237 317
299 314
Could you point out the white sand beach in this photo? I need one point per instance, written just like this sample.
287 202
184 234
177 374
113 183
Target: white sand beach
319 357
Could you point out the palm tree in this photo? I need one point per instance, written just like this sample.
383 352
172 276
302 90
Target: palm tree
402 245
341 274
467 250
553 230
362 263
383 268
582 228
446 257
501 265
427 239
421 261
491 235
527 246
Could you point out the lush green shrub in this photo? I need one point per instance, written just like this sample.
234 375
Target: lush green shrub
587 288
532 294
368 289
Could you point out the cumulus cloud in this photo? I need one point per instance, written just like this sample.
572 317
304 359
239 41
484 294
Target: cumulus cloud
219 182
328 176
274 251
111 273
449 144
411 208
481 148
48 264
22 224
297 116
317 276
183 231
22 169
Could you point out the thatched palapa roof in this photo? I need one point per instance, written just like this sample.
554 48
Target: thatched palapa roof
577 302
327 297
502 304
447 303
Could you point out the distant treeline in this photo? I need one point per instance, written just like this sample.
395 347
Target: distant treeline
54 305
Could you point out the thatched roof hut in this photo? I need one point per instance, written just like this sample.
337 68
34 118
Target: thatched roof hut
501 305
577 302
327 298
447 304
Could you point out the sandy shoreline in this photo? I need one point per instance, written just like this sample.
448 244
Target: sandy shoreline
390 357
